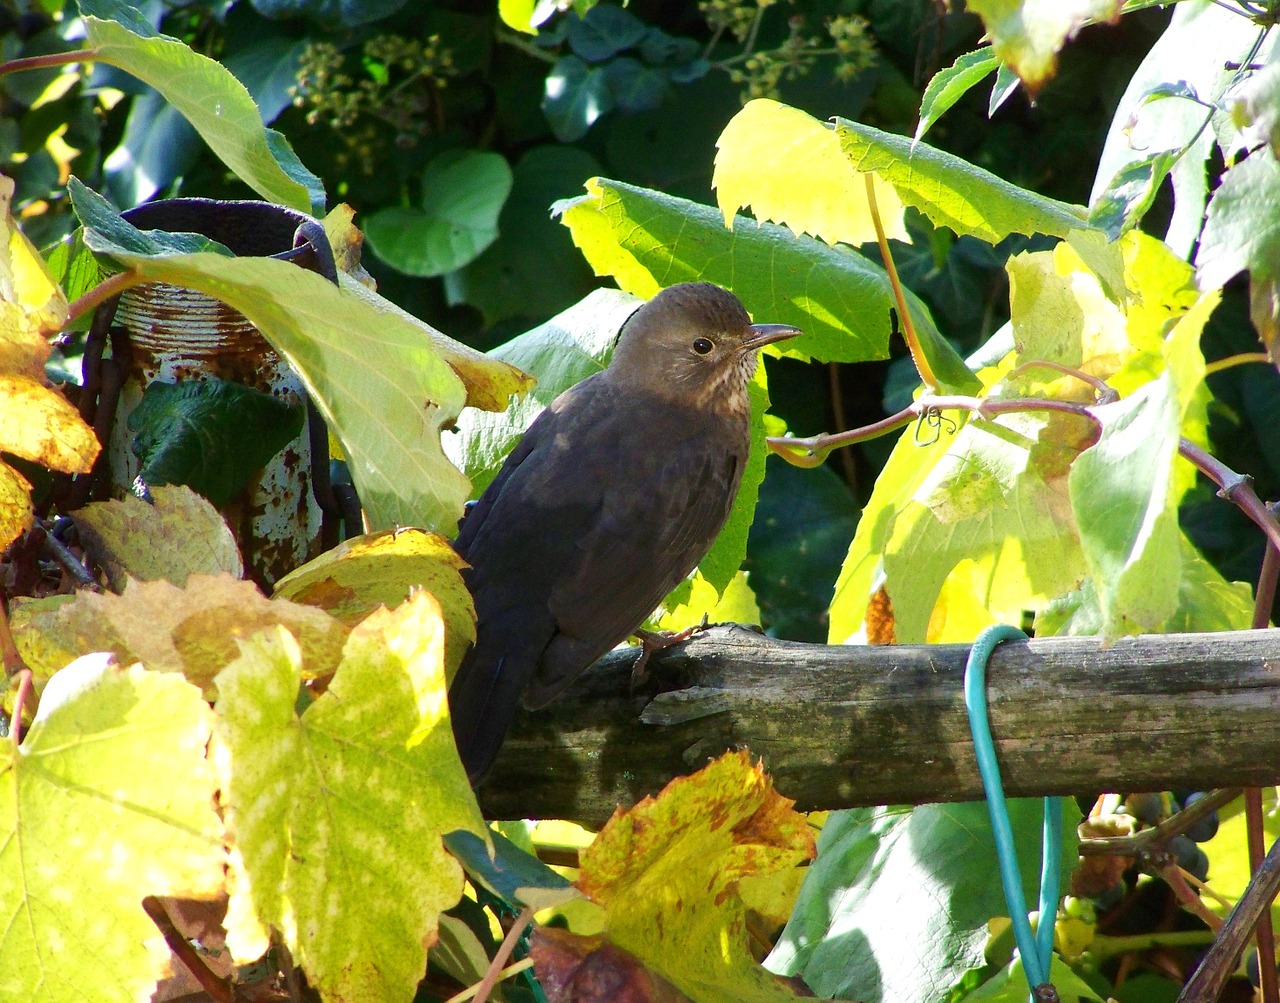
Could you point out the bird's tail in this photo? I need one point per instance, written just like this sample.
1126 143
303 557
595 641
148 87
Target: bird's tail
484 697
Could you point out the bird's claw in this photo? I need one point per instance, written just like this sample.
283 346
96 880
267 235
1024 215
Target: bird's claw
657 640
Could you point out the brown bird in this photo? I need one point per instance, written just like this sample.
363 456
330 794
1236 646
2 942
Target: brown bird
614 494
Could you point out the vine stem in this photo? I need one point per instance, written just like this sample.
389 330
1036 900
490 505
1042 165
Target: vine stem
480 991
904 315
218 989
102 292
1241 359
15 723
48 61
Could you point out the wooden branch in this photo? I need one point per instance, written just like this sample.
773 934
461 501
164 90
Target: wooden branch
840 726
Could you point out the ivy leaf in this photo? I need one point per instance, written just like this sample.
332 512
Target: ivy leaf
668 874
604 31
210 98
576 95
115 760
367 776
634 86
211 435
951 84
1131 193
463 192
510 872
885 875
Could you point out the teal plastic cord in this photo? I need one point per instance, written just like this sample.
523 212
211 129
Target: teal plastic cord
1037 950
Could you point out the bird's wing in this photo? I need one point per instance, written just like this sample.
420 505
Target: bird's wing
646 540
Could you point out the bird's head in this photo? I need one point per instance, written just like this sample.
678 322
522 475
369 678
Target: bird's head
694 342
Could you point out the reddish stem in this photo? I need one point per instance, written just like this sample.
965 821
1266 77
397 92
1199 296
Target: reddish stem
218 989
20 698
47 61
102 292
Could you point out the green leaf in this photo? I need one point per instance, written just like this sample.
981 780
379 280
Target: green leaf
647 240
634 86
576 95
896 906
509 872
463 191
1242 230
333 13
212 435
604 31
1121 206
951 84
213 101
1002 89
105 229
109 799
339 813
953 192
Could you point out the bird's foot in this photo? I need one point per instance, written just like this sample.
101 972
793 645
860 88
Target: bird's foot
657 640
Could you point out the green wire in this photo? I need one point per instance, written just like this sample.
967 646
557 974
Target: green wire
1037 949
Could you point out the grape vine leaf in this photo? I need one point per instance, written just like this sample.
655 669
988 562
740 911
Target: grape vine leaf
1027 34
337 813
177 534
789 168
353 579
108 799
982 516
194 630
667 873
896 905
210 98
36 422
375 378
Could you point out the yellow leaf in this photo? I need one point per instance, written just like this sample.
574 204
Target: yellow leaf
38 424
194 630
790 169
667 873
383 569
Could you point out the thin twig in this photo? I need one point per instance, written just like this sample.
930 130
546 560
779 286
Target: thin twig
513 969
102 292
20 698
1264 599
485 985
68 561
904 315
1231 361
1206 984
1128 846
13 660
1234 487
1106 394
220 990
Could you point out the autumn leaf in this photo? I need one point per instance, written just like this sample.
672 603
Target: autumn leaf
668 874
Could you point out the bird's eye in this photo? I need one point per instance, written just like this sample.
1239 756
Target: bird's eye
702 346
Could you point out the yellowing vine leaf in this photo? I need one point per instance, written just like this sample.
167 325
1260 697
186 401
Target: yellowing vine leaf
194 630
178 534
1027 34
36 422
383 569
337 813
108 799
668 872
790 169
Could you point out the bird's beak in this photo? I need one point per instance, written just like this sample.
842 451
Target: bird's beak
767 334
